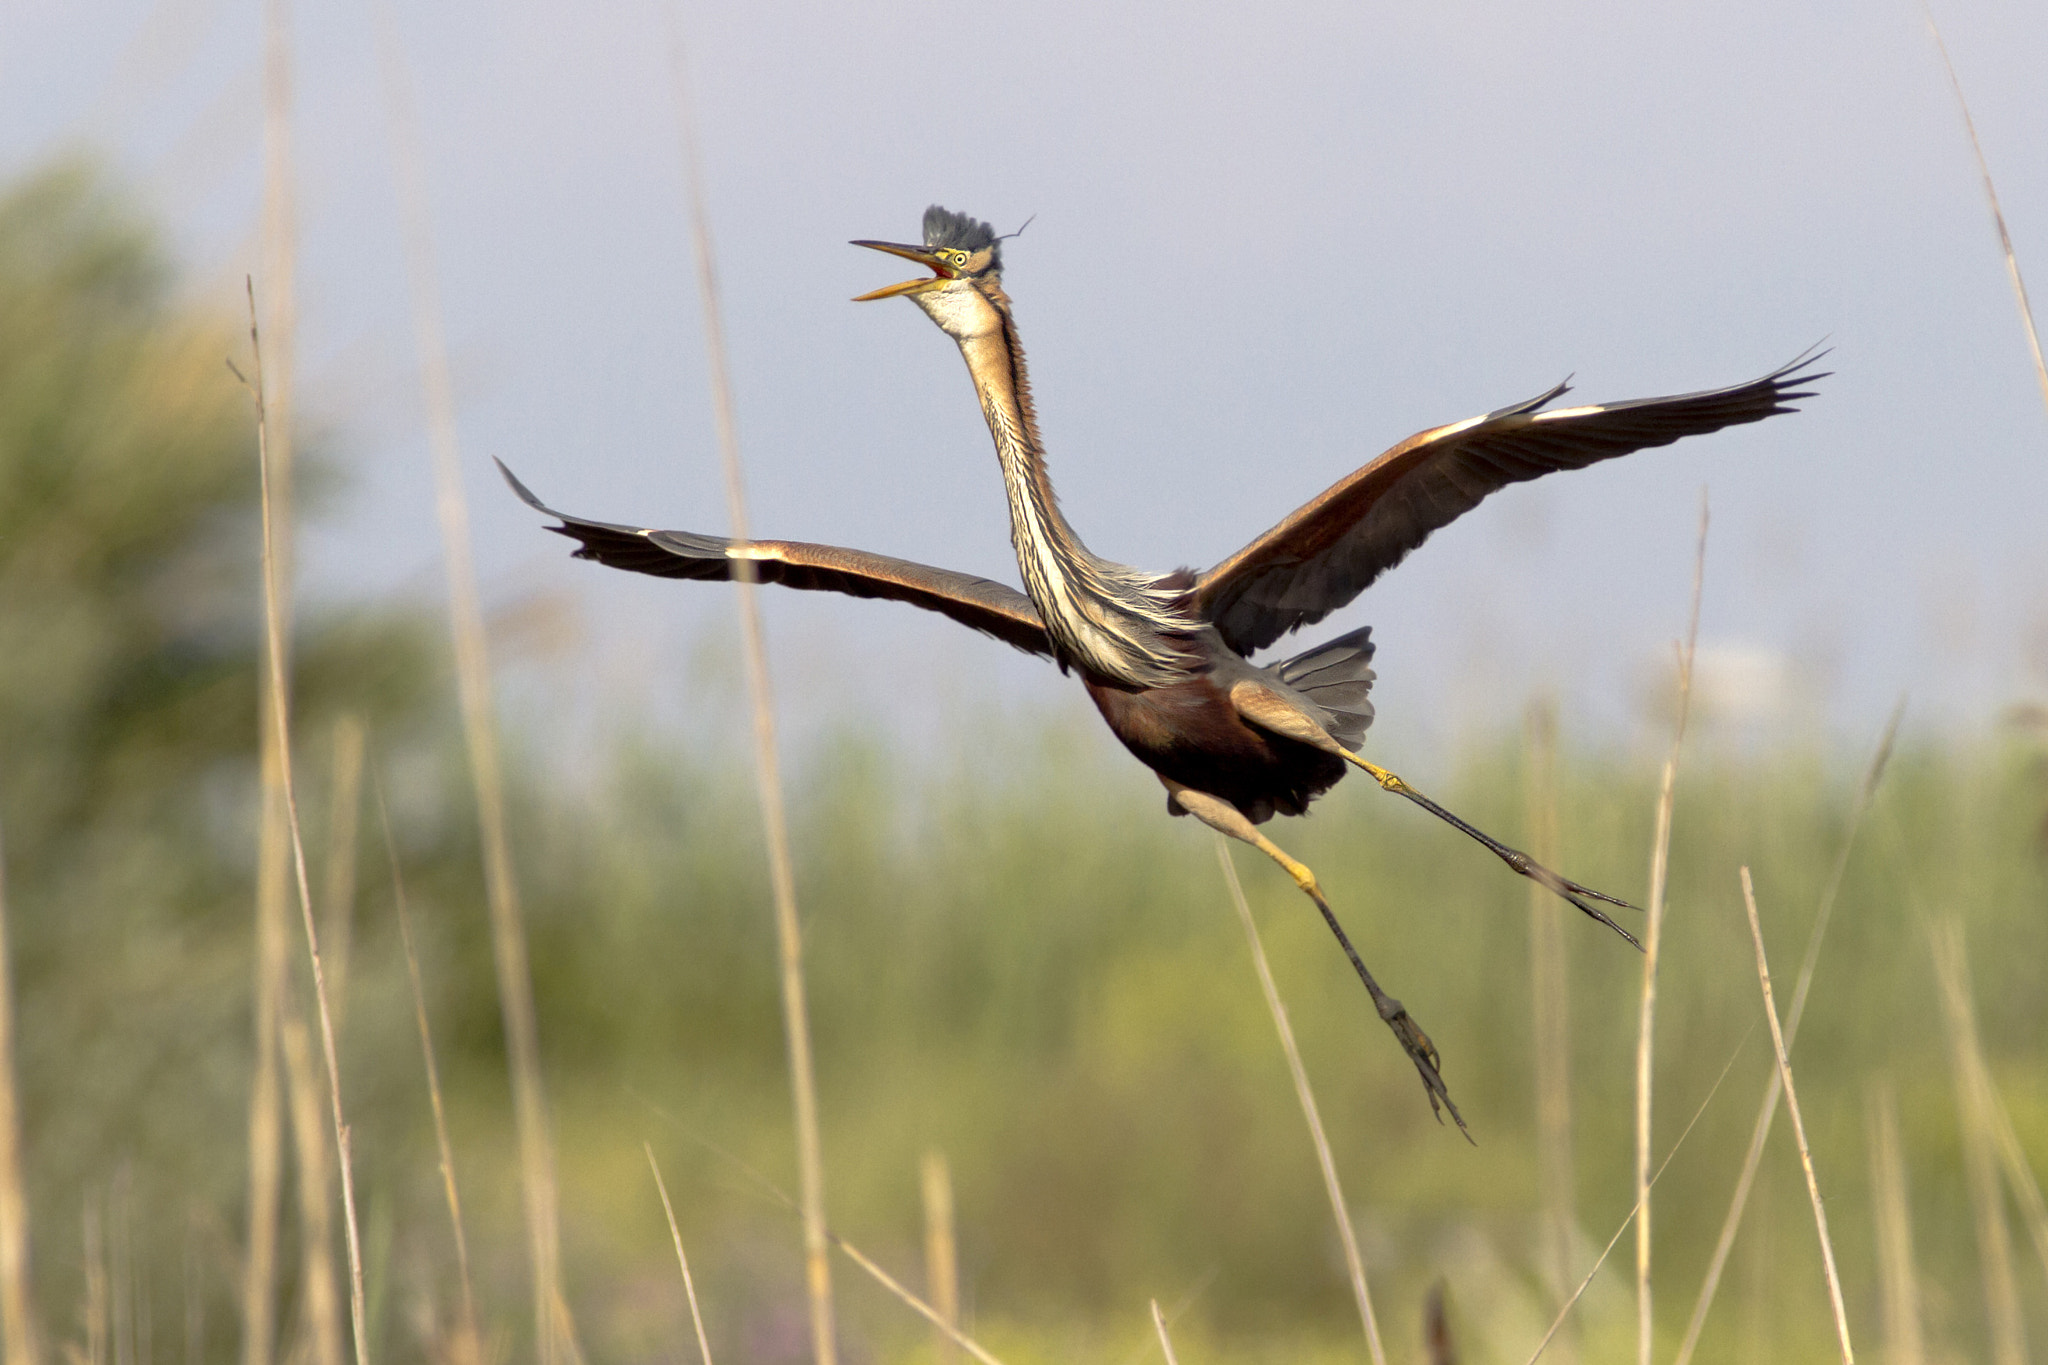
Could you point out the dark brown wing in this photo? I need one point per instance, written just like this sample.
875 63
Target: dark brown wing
1329 551
988 607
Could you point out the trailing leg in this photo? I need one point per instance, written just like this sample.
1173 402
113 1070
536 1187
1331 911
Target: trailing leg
1516 859
1225 818
1269 710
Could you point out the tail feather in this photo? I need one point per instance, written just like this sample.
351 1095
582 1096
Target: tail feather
1337 676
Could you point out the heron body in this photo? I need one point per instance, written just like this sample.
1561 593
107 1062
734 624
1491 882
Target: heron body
1166 658
1189 731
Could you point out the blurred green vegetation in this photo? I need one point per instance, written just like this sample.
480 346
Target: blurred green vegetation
1015 959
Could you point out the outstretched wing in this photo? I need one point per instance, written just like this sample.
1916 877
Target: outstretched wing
1329 551
988 607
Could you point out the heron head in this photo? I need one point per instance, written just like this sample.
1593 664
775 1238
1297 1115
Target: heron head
966 260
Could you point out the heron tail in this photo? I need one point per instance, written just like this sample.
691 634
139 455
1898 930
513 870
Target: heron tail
1337 676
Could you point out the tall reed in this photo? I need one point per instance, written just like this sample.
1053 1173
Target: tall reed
1784 1058
18 1338
774 815
280 710
278 246
1340 1211
553 1330
1767 1111
1653 937
1898 1275
2012 260
2006 1320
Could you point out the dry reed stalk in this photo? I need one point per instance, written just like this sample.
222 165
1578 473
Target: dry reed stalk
319 1304
917 1305
1820 1213
1549 994
1660 869
473 678
1898 1278
1354 1263
941 1248
1767 1111
120 1268
2018 1173
1165 1341
96 1309
2012 262
338 895
266 1093
195 1300
1980 1160
668 1211
1557 1323
18 1337
272 955
471 1348
848 1249
274 638
774 819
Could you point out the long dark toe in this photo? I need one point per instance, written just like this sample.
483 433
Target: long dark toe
1422 1052
1577 889
1575 893
1599 915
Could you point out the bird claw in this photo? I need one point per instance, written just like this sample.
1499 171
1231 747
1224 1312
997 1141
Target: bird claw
1423 1053
1573 891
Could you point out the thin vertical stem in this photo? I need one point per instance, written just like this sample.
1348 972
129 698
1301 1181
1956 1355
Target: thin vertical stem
774 819
1898 1279
916 1305
941 1249
1820 1212
1767 1112
1557 1323
338 895
319 1304
280 710
552 1330
472 1339
1550 1001
1354 1263
96 1309
2012 261
682 1259
1165 1341
1653 937
18 1341
1980 1162
266 1097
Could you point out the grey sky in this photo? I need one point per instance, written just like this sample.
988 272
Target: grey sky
1269 242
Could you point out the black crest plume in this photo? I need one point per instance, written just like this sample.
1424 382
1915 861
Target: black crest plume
945 228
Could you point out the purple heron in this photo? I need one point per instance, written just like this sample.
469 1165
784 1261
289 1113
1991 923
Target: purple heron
1165 657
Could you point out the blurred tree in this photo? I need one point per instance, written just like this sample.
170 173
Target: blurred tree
129 643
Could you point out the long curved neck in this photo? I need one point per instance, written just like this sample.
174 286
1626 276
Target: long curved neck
1106 616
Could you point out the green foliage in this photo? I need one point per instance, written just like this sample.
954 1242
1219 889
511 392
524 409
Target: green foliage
1024 963
129 641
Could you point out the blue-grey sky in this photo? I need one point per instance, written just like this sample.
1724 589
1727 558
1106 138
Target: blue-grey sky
1269 241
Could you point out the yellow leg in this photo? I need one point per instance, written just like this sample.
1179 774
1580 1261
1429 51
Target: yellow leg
1225 818
1388 780
1273 711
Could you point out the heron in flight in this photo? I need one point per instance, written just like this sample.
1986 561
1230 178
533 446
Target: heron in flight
1166 657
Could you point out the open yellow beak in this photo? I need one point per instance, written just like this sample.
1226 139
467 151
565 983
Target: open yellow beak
941 272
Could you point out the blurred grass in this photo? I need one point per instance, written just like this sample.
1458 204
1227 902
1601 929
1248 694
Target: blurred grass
1015 958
